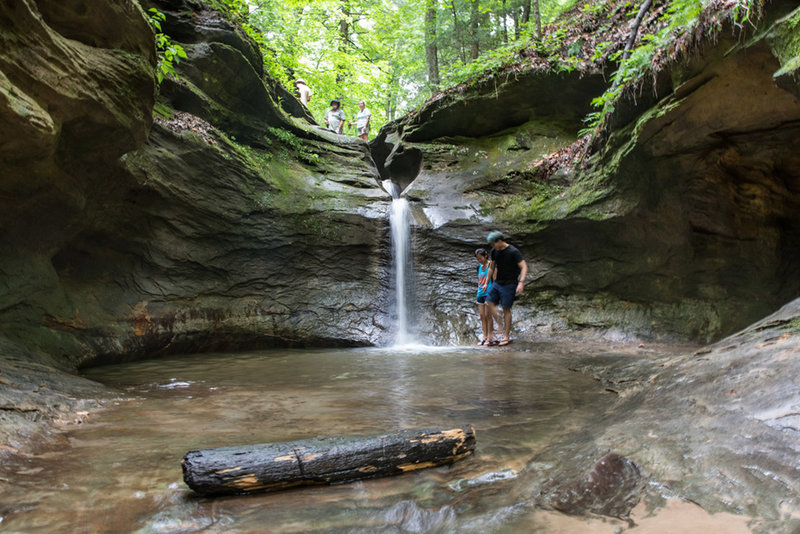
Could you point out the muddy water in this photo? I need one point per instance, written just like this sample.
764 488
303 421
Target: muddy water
121 471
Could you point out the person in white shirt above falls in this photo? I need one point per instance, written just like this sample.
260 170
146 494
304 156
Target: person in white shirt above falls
362 121
334 118
304 90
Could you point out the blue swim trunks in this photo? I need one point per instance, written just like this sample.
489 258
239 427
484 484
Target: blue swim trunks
504 295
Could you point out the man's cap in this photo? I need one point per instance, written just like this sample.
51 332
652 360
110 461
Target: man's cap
494 236
335 100
300 80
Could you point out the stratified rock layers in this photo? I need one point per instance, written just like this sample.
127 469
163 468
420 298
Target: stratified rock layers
221 217
217 222
684 225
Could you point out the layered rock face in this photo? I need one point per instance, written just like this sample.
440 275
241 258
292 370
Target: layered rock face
226 218
219 216
220 221
76 96
684 224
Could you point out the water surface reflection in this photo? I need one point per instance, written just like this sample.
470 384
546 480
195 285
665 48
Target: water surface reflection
122 471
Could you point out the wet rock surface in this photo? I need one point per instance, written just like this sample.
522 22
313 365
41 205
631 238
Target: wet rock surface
133 228
36 400
716 426
613 487
683 226
230 221
216 221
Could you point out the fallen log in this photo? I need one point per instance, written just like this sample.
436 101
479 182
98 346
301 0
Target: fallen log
328 460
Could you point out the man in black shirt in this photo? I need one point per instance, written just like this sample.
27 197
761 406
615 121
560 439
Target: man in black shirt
507 270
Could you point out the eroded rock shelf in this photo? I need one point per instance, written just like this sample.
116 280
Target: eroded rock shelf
137 221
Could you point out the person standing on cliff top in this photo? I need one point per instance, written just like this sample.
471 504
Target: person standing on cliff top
334 118
362 121
507 269
304 90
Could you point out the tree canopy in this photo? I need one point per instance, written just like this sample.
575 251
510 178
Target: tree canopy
393 54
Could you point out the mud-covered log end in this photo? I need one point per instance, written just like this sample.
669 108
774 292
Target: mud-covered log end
328 460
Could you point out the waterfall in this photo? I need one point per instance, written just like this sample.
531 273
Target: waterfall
402 265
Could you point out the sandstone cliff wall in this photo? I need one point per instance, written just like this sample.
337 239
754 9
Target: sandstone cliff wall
683 223
220 216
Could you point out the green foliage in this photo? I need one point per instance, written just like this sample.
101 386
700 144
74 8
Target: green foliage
374 50
681 18
169 52
366 61
282 143
490 62
744 11
235 10
291 141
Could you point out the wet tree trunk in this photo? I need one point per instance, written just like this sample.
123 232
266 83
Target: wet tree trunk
277 466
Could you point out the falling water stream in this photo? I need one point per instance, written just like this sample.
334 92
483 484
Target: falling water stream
402 264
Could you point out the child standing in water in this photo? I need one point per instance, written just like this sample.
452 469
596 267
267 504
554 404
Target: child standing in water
484 285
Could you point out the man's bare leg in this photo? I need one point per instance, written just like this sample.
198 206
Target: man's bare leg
498 323
507 324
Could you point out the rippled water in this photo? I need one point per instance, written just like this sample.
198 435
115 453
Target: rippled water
122 470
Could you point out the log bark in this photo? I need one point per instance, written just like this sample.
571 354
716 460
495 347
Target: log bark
327 460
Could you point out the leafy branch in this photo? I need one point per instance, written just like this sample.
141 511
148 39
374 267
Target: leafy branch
169 52
681 19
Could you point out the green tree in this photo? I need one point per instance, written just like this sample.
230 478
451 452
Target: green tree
390 53
431 49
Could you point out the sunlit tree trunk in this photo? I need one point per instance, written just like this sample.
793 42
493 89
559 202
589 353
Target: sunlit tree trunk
515 18
391 94
431 49
537 13
344 40
475 45
526 12
501 15
391 106
457 32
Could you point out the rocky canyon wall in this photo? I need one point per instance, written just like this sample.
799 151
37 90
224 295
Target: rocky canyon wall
683 223
219 216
